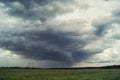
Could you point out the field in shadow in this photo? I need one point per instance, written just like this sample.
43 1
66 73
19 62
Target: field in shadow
86 73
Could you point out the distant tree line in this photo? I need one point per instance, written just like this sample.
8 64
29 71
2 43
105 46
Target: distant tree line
103 67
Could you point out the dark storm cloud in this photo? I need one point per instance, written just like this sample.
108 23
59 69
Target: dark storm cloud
101 30
60 48
27 3
34 9
102 27
29 9
44 45
64 39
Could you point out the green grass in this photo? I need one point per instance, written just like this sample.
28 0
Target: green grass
61 74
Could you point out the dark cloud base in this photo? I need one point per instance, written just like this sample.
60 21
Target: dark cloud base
44 45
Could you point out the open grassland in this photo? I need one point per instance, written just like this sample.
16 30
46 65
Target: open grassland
59 74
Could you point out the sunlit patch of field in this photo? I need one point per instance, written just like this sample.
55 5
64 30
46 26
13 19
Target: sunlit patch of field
59 74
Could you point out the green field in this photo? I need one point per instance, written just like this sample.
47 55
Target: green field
59 74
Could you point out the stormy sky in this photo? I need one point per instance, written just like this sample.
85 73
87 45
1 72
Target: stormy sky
59 33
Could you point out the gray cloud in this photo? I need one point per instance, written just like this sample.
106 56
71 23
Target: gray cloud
24 8
59 32
102 25
58 47
44 45
28 3
35 9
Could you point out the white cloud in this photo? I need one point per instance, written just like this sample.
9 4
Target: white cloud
110 55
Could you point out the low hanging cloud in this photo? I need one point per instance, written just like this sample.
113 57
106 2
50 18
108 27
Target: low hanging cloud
60 33
43 45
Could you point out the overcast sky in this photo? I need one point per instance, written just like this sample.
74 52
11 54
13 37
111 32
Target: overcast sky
59 33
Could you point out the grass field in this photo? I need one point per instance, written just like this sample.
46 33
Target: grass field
59 74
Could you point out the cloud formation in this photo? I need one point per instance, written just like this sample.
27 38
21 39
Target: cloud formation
60 33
